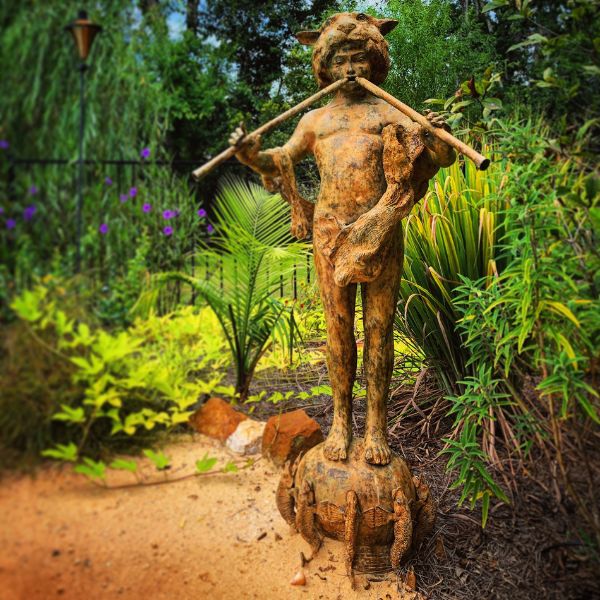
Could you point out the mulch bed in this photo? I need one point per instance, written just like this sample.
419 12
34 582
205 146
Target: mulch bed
532 549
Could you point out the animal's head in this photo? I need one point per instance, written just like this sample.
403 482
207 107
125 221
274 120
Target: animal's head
343 29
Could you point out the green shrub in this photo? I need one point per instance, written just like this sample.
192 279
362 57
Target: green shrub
111 390
501 297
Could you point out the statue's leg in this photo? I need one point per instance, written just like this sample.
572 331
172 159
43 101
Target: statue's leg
379 305
339 306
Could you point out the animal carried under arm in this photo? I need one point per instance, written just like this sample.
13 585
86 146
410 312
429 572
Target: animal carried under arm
359 251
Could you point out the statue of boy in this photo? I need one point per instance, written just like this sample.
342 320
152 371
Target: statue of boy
345 136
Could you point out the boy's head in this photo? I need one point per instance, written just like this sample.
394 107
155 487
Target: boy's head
349 36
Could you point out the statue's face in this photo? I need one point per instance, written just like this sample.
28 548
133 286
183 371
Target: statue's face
349 60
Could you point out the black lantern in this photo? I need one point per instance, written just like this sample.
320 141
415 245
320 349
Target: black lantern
84 32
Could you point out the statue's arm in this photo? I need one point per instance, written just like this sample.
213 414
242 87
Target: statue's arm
250 154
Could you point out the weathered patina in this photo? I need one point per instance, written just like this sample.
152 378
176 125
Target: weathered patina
374 163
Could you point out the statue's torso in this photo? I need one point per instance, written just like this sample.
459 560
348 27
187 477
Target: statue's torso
348 150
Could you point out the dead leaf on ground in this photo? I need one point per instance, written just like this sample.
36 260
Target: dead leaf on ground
440 549
410 580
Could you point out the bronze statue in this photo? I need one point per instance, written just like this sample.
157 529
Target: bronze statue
375 157
360 142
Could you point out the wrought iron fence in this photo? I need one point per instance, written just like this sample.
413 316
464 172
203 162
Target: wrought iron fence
123 174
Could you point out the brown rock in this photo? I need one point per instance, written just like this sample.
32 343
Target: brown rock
216 418
289 434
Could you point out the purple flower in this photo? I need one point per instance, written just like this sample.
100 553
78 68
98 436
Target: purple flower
4 145
10 223
123 197
201 213
33 190
145 153
168 230
210 229
168 214
103 229
29 212
133 192
147 208
108 181
1 210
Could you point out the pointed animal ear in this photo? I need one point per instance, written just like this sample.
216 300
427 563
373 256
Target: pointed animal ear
308 37
386 25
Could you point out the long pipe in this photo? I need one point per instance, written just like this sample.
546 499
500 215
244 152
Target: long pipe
481 161
292 112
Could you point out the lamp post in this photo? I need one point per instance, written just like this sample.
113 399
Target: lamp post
84 32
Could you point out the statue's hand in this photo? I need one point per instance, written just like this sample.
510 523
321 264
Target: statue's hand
436 119
443 153
247 146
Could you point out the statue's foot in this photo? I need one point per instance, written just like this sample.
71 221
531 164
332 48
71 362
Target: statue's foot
337 442
377 451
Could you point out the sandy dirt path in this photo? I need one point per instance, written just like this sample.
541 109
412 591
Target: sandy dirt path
218 536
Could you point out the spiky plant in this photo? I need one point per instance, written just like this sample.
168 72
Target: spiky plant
451 233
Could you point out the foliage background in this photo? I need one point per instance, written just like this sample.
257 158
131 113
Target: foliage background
501 278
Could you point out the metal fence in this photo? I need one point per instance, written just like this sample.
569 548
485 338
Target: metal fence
128 173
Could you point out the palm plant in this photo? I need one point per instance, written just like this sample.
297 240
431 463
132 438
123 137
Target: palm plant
242 265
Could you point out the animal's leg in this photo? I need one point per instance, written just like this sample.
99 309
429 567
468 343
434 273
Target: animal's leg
351 529
284 497
425 510
403 529
339 307
379 305
305 517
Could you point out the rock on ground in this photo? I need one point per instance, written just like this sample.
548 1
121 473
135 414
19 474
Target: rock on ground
289 434
217 419
247 438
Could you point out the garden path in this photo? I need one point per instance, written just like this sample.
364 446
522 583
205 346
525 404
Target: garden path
217 536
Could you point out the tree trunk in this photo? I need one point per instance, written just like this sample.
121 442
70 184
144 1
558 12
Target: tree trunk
191 16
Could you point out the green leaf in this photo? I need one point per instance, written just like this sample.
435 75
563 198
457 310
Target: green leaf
27 305
591 70
230 467
161 462
124 465
91 468
62 452
485 507
73 415
205 464
560 309
494 4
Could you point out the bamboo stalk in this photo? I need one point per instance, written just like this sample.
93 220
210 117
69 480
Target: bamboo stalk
292 112
480 161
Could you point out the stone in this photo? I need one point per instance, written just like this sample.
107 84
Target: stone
247 438
216 418
289 434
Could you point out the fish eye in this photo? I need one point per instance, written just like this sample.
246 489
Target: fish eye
361 17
